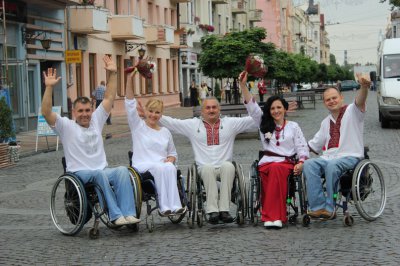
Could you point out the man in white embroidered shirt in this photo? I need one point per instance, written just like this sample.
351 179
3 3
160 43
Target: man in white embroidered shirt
340 138
212 140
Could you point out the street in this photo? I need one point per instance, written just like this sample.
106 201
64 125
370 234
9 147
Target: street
28 236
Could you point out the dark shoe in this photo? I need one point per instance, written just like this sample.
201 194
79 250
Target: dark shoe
225 217
213 217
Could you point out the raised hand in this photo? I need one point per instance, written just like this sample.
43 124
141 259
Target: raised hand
50 78
364 80
109 64
243 78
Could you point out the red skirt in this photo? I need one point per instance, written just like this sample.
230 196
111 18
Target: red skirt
274 178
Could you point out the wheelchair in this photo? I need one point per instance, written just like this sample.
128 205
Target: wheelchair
148 194
197 197
73 204
295 199
364 186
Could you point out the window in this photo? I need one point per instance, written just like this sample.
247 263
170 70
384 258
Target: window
150 18
31 91
174 75
138 10
92 74
227 24
116 7
149 85
394 31
159 75
173 18
158 14
78 70
219 24
165 16
119 75
168 76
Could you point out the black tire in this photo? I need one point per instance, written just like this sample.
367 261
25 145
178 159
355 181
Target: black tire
176 219
240 194
368 190
68 204
191 192
254 193
385 123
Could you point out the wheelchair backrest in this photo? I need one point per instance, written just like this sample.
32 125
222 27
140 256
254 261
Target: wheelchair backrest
64 164
130 153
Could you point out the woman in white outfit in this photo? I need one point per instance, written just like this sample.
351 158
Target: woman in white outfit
154 150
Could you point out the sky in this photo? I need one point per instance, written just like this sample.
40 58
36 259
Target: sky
355 26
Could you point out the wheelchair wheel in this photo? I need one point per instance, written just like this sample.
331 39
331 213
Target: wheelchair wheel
176 219
68 205
254 194
240 194
368 190
191 192
137 189
302 194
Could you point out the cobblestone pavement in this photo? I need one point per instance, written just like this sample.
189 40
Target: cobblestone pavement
27 234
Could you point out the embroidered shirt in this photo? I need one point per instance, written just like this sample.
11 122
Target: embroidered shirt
351 141
334 129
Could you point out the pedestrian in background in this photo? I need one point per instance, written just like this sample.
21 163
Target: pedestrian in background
227 91
262 89
98 95
193 94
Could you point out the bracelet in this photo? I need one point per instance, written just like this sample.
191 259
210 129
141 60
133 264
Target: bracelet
300 162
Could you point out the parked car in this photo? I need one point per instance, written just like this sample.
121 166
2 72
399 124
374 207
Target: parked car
348 85
304 86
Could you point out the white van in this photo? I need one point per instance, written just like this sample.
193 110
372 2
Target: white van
388 85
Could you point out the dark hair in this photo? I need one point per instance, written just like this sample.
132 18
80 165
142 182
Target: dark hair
267 122
82 99
330 88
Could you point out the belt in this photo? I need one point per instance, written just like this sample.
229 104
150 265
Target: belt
291 159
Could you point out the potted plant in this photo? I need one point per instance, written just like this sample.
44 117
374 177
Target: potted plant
6 122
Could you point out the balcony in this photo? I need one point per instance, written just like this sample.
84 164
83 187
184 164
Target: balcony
238 7
182 40
125 27
159 35
88 19
217 2
255 15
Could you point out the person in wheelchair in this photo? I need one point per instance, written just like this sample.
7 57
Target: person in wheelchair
84 149
212 139
154 150
340 138
281 140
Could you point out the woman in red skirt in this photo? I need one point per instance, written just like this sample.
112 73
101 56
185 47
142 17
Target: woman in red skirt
281 140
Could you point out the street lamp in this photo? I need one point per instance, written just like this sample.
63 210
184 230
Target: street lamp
130 46
41 36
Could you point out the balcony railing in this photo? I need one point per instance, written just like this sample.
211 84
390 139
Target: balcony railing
182 40
158 35
180 1
124 27
88 19
238 7
255 15
220 2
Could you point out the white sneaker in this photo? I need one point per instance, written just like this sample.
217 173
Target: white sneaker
132 219
268 224
277 223
180 211
121 221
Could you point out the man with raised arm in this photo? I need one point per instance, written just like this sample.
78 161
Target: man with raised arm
212 139
340 138
84 149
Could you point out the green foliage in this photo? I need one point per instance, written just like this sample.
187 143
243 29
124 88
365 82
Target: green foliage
224 57
6 129
394 3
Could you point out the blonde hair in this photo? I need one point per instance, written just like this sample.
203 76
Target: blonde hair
155 105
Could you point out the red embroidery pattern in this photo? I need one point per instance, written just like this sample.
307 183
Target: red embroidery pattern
334 129
212 133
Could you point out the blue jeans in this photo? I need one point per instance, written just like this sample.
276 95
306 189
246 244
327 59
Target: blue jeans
313 170
119 198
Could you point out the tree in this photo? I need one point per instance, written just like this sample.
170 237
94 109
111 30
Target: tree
6 121
394 3
224 57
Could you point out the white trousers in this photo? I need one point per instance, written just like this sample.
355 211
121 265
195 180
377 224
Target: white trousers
210 174
166 184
